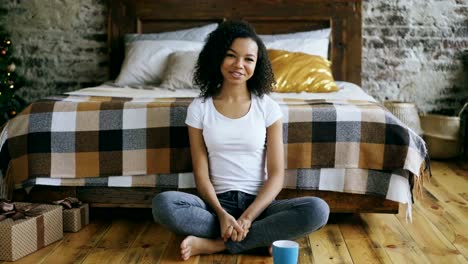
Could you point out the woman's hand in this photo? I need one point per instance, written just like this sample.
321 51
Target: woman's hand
245 224
229 227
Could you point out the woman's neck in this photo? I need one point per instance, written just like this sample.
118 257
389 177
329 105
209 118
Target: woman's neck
234 93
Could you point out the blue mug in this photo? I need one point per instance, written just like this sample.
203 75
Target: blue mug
285 252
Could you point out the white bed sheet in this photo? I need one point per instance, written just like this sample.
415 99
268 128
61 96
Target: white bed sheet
347 90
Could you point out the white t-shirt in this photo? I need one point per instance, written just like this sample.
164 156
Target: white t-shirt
236 147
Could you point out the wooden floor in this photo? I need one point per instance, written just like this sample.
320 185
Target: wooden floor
438 234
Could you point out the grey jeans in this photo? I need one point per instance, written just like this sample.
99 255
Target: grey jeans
187 214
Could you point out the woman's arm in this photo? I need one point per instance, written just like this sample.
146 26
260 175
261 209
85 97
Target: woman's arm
204 186
274 183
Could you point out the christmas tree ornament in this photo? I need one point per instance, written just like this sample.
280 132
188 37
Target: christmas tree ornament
11 113
10 81
11 67
11 84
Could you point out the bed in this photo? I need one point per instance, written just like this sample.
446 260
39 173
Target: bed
127 154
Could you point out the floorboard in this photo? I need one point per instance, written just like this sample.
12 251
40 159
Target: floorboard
363 243
329 246
438 234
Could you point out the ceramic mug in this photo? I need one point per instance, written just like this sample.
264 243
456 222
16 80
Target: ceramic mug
285 252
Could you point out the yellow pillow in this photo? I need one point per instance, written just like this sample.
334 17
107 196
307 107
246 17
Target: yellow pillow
301 72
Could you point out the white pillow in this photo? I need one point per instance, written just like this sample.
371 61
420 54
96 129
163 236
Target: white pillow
146 60
191 34
314 34
310 46
180 69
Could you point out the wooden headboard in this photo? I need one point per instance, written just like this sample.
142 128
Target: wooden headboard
267 16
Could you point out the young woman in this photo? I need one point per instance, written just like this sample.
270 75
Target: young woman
236 144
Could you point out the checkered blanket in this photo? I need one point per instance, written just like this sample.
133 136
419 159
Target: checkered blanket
83 136
392 185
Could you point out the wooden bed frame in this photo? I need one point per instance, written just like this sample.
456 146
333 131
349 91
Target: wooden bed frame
268 17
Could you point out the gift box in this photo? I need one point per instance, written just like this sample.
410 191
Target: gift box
25 236
75 219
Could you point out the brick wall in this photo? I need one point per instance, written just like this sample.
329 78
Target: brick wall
411 52
62 44
411 48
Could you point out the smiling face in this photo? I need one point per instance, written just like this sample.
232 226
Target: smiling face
239 64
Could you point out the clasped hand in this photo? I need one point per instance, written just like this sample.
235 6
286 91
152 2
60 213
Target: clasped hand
233 229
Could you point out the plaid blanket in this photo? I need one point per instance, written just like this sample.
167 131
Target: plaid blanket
83 136
392 185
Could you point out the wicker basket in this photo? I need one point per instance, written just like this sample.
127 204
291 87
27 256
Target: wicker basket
407 113
443 135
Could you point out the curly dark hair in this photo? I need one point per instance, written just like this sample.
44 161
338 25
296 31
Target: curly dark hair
208 74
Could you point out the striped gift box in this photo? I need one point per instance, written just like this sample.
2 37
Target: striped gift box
75 219
25 236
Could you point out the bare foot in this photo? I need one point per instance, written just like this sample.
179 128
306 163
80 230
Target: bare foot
193 246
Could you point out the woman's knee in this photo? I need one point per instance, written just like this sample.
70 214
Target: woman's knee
317 211
163 204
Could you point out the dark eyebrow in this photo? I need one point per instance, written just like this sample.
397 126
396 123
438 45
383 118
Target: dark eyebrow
249 55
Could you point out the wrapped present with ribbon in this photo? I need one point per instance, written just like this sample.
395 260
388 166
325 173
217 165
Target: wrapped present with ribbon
26 228
75 214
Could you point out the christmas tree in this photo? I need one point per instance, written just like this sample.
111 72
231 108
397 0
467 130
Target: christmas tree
10 81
